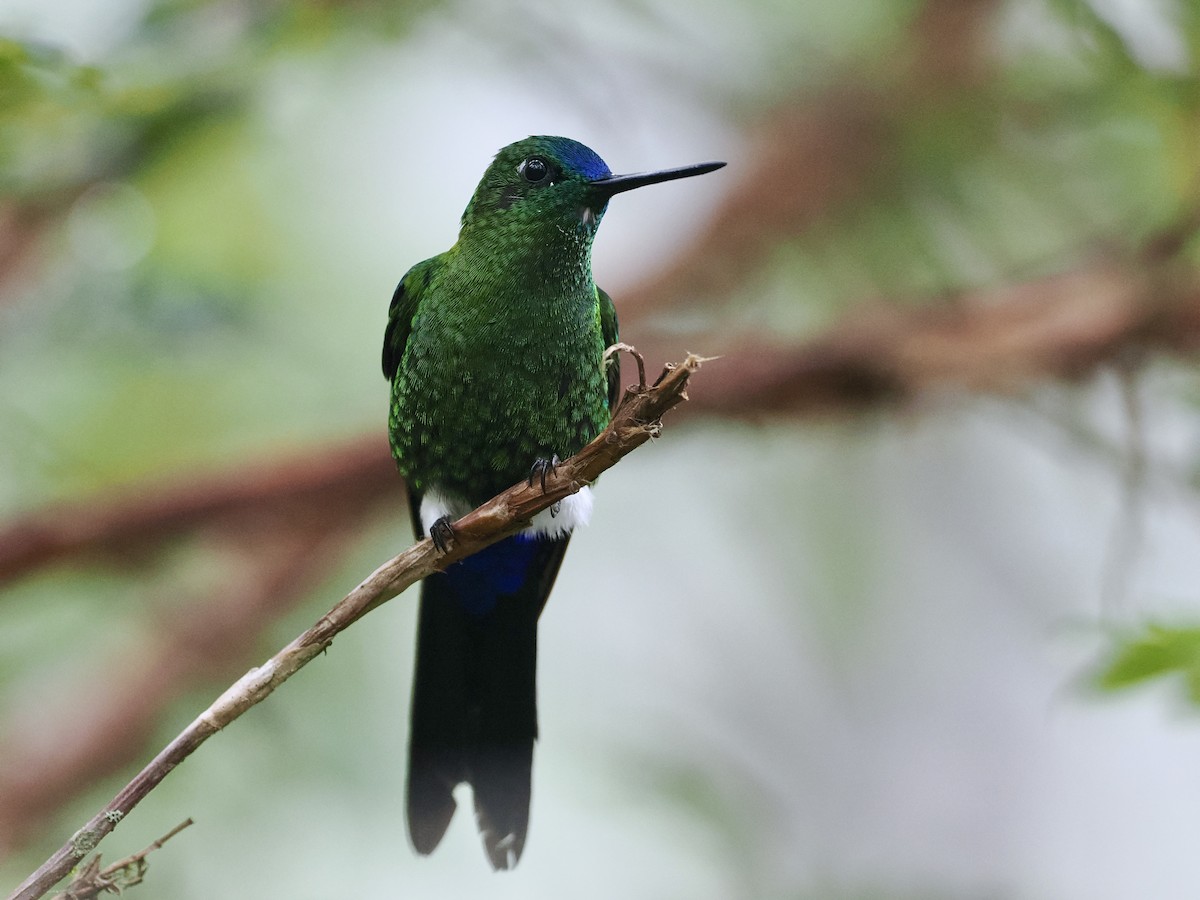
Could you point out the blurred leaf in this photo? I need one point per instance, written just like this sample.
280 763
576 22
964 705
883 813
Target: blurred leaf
1158 651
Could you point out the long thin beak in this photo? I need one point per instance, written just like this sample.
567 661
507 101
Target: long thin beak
615 184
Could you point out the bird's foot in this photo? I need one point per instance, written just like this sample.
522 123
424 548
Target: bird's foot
541 468
441 532
611 352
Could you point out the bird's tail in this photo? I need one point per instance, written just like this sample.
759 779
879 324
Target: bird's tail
474 707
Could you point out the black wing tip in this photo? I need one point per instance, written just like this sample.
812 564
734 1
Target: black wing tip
503 852
501 782
503 843
430 808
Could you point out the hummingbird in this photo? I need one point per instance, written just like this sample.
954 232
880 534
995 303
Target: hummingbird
495 351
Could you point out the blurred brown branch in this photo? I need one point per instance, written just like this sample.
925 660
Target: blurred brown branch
349 477
636 420
1013 338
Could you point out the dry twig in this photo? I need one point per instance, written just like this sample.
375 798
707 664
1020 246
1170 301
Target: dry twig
91 881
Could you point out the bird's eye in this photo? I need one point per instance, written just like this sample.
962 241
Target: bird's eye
535 170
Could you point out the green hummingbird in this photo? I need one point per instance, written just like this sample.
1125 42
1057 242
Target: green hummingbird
495 353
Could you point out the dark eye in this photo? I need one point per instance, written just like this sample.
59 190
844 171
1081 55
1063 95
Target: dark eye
535 169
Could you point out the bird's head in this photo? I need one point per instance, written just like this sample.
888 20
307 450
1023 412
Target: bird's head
544 185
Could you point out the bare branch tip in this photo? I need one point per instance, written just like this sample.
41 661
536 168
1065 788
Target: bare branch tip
694 361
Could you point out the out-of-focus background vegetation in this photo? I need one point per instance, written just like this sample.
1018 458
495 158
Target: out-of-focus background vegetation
904 603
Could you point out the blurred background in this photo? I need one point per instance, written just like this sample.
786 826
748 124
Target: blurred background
902 605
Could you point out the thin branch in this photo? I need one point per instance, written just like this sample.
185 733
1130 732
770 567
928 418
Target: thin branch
352 474
636 421
92 881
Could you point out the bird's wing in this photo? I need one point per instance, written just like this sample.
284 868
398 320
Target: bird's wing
608 328
400 314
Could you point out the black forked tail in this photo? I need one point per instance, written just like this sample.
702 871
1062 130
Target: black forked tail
474 707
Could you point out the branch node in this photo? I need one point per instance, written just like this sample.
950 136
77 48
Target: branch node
244 692
84 841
